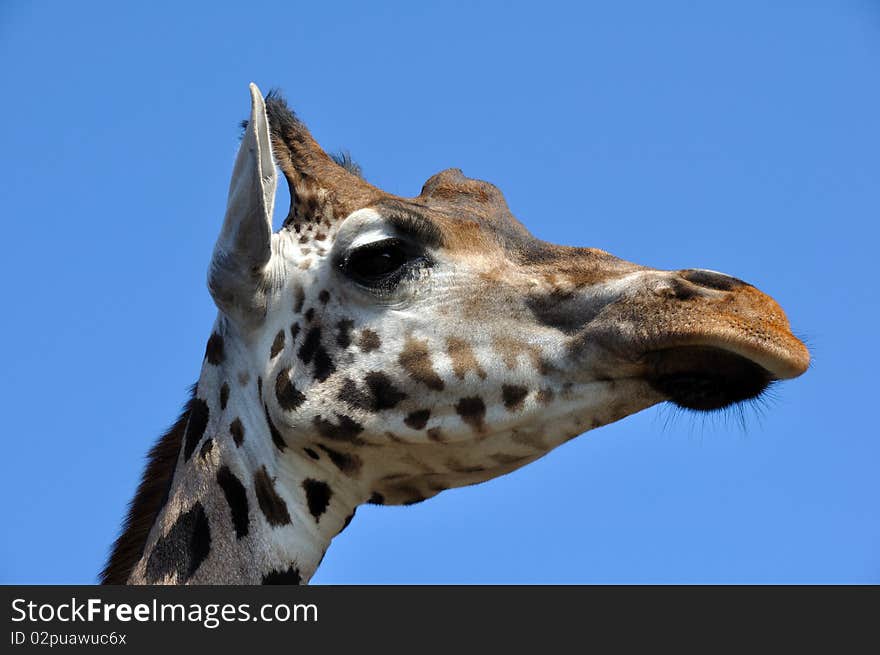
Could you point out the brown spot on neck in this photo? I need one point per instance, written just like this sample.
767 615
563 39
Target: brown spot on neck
272 505
214 351
236 429
277 345
299 297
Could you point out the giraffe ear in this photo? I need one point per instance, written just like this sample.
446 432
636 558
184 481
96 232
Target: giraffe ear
322 192
244 246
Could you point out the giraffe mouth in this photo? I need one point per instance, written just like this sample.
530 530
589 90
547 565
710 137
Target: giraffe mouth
705 378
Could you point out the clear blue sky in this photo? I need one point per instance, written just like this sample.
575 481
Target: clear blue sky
738 136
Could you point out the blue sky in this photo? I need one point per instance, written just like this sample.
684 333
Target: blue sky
739 136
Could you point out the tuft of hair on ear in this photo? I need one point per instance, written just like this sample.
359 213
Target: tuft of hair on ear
280 114
343 158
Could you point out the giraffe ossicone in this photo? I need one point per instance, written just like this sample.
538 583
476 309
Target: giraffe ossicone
380 349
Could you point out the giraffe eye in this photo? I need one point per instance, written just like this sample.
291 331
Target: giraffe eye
379 265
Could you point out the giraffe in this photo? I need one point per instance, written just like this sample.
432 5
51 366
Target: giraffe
381 349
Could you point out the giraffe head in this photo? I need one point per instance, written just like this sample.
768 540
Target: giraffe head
430 342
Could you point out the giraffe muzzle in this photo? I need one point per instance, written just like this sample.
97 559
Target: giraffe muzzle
718 341
703 339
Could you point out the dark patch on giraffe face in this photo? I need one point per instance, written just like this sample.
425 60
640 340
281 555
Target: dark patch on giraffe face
343 461
277 439
418 419
510 349
463 358
376 499
224 395
289 397
346 429
436 434
380 394
343 336
561 311
311 453
318 496
383 392
324 366
313 350
277 345
351 395
310 314
416 361
206 448
294 331
324 296
513 396
272 505
681 290
214 351
236 429
195 427
299 297
472 411
236 498
545 396
183 549
369 341
290 576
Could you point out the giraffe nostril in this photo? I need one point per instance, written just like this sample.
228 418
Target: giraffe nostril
711 279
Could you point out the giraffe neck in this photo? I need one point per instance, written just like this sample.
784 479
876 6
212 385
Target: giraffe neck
245 505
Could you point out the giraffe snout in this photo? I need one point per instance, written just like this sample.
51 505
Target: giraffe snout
697 307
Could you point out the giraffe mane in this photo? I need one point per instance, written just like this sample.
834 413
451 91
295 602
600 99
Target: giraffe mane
148 501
